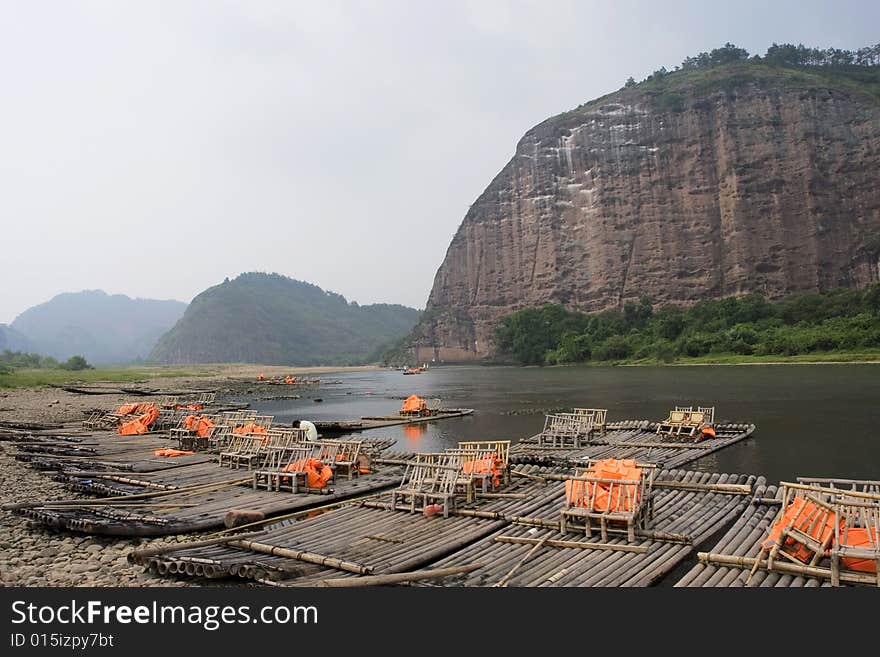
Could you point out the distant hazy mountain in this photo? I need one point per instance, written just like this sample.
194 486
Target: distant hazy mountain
13 340
104 328
272 319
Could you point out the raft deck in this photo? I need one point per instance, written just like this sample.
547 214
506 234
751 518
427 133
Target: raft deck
104 450
188 473
194 508
369 539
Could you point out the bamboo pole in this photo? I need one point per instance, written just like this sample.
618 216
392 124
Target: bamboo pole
538 545
622 547
730 489
831 491
520 473
303 555
511 496
784 567
135 555
393 578
303 512
653 445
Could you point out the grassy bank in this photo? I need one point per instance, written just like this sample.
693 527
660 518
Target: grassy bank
31 378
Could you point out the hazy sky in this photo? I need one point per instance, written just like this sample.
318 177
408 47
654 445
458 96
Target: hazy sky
154 148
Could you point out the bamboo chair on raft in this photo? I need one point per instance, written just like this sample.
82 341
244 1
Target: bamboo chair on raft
226 423
596 416
198 432
617 495
430 478
347 457
415 406
566 430
488 461
280 469
684 420
250 449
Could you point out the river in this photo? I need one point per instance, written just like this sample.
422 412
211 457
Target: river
812 420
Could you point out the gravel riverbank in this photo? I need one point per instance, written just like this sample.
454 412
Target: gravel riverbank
33 555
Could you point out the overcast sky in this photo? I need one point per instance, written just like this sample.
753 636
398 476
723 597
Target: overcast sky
154 148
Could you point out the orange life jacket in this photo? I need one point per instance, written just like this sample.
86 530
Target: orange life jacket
317 474
801 514
859 537
249 428
168 451
604 496
140 424
413 404
489 464
205 426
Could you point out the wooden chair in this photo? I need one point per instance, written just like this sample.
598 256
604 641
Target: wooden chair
429 478
596 417
568 430
95 420
673 424
347 457
206 398
250 450
708 413
277 473
294 475
501 449
856 544
615 504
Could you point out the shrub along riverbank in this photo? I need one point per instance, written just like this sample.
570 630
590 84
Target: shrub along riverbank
26 370
841 325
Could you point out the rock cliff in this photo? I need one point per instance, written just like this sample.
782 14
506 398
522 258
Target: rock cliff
741 178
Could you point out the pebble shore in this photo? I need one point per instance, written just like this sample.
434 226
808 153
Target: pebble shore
34 555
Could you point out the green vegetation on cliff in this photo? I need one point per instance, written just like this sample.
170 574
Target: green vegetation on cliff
730 67
272 319
859 69
841 324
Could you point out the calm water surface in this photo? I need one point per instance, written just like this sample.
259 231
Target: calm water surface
816 420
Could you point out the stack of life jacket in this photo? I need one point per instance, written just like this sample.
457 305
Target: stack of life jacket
140 424
605 496
317 474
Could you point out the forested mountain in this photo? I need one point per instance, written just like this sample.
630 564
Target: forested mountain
272 319
101 327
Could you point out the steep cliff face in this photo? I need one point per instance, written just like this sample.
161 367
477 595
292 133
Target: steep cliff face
739 179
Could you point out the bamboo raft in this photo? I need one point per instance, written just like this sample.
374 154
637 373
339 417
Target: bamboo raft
192 508
689 508
346 426
632 439
129 481
102 450
509 538
363 536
